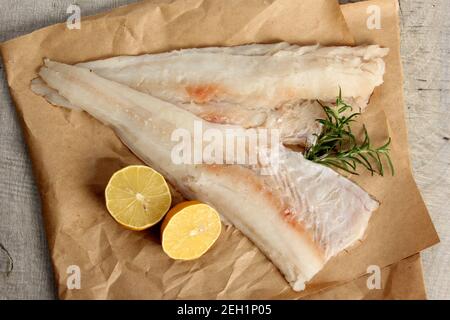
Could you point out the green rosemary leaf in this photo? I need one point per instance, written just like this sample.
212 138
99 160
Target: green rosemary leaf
337 146
367 163
339 165
391 165
375 159
349 162
380 163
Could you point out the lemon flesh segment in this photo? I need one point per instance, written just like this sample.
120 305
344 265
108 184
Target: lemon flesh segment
189 230
137 197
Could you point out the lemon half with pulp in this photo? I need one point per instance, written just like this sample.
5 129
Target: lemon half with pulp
189 230
137 197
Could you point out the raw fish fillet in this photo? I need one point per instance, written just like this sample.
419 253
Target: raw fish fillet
299 217
258 85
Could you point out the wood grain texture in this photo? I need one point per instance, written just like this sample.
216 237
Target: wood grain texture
425 52
22 233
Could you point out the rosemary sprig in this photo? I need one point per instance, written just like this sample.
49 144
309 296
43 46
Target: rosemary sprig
338 147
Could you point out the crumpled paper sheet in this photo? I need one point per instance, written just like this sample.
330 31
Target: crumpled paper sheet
401 281
73 155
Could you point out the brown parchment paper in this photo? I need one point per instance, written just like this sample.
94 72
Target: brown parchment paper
73 155
401 281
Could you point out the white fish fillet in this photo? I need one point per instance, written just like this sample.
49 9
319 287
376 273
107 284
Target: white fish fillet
299 217
258 85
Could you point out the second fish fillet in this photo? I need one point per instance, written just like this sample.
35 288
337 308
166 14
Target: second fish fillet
258 85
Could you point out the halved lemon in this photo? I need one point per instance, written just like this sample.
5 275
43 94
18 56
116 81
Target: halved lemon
137 197
189 230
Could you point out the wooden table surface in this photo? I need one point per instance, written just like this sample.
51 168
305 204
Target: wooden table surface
426 55
425 52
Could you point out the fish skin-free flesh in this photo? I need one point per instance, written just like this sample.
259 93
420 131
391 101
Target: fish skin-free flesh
258 85
299 217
